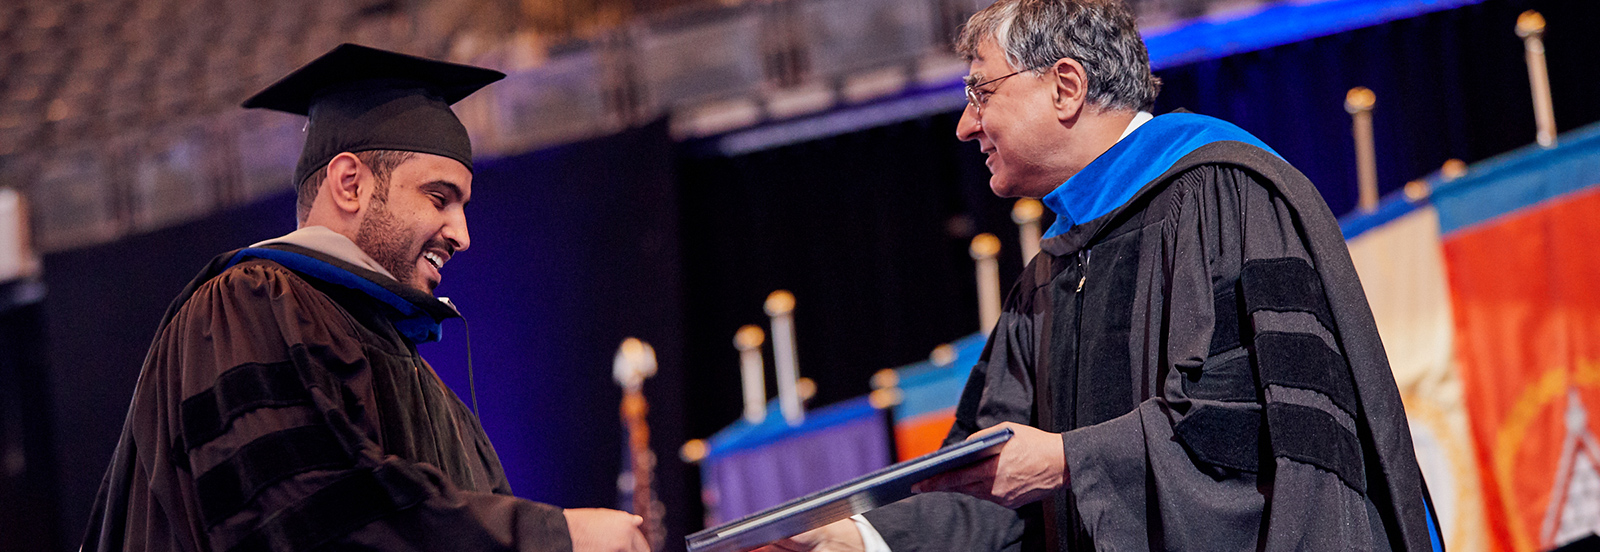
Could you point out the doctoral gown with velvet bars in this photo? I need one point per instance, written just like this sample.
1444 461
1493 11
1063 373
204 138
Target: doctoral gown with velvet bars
287 409
1208 354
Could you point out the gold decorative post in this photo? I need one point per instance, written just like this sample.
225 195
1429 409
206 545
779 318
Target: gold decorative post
1530 26
752 374
985 247
1453 169
942 355
1026 214
1359 103
885 389
780 306
693 451
634 363
1417 190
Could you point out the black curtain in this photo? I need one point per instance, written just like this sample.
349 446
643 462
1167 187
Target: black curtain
574 248
1451 84
869 230
27 467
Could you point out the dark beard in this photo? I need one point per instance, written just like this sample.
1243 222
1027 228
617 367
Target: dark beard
382 237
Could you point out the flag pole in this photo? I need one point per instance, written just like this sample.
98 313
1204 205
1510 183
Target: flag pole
635 362
752 374
1530 27
1026 214
1359 102
985 247
1452 169
780 306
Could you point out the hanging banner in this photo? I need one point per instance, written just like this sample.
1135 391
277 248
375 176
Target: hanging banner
1528 320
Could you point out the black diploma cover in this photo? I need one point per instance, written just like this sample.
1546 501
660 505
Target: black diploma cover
846 499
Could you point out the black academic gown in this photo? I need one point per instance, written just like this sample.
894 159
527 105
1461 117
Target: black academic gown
287 409
1208 354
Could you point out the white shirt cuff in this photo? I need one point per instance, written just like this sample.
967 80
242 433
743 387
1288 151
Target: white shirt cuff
869 535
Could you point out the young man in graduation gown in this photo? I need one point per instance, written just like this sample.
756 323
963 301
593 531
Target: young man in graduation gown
283 405
1190 363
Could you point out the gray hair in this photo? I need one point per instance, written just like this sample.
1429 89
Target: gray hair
1100 34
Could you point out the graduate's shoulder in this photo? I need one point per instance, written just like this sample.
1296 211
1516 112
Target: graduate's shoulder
253 280
258 291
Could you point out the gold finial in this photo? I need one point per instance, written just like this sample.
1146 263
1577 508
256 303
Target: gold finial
779 303
634 363
885 392
885 378
1530 23
1359 99
1358 102
693 451
1453 169
751 377
984 246
1530 27
1027 210
1416 190
805 388
749 337
885 398
632 347
943 355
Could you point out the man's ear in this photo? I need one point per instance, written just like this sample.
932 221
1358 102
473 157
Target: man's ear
343 183
1071 88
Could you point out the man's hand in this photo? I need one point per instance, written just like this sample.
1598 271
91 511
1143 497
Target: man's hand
1029 466
602 530
839 536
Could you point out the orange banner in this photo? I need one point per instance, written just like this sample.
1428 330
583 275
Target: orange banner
1526 296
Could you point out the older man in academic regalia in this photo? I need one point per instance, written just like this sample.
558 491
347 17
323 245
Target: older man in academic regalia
1190 363
283 405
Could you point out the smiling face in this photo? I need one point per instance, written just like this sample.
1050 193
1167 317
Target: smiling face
1014 127
416 222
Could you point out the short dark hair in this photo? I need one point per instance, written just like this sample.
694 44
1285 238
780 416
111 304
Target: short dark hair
380 162
1100 34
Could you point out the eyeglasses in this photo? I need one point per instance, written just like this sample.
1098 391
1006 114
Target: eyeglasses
976 97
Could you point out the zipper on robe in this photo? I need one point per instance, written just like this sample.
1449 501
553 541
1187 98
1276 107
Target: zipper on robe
1083 272
1052 514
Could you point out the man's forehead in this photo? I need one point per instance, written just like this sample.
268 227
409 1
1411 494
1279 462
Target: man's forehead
987 53
428 168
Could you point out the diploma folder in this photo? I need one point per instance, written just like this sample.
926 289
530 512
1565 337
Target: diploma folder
846 499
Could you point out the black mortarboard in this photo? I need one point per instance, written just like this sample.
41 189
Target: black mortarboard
361 99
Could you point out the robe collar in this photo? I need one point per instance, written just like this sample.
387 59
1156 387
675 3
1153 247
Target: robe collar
1145 151
319 253
324 240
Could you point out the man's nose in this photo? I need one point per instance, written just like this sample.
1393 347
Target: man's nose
456 233
969 126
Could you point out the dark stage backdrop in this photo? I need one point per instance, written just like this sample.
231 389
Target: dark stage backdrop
1451 84
870 230
574 249
27 464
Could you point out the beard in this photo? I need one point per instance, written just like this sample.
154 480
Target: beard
383 237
